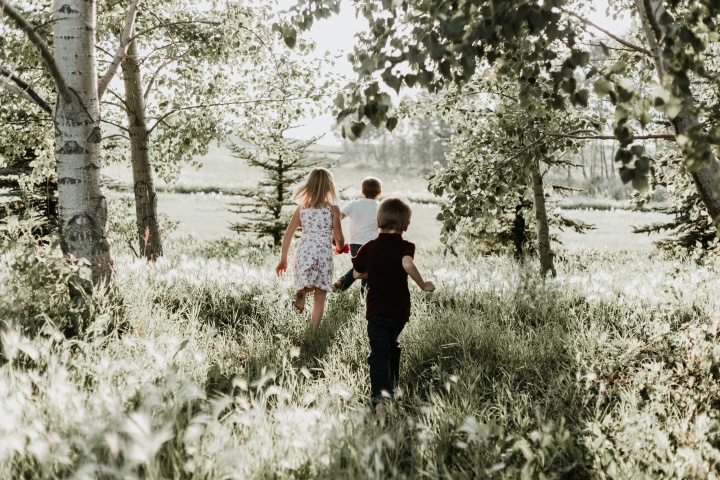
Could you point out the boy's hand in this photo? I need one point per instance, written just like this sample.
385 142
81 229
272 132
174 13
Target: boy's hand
281 268
429 286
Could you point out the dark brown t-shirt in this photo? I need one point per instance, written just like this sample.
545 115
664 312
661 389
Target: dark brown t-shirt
388 294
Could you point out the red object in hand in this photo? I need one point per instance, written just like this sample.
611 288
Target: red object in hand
345 249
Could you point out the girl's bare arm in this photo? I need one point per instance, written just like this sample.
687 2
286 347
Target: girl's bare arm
287 239
337 227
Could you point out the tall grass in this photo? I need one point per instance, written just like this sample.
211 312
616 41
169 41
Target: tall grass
608 371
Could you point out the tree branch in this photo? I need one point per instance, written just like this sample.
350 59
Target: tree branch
630 45
24 90
221 104
45 53
7 86
652 20
125 40
147 56
121 106
262 42
171 24
115 125
162 24
620 49
659 136
114 135
155 74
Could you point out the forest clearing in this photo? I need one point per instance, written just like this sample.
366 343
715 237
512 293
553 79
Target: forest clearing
611 367
528 192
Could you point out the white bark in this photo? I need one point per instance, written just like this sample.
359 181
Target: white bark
82 208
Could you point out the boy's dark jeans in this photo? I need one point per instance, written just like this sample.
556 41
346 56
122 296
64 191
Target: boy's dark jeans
347 280
384 358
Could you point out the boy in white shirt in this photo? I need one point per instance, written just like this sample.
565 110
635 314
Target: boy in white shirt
363 226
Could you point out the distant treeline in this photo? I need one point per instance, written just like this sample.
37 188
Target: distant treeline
415 144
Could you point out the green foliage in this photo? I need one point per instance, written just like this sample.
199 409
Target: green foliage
26 187
487 182
294 89
192 94
284 164
414 143
27 179
691 230
511 231
122 225
35 279
431 45
504 375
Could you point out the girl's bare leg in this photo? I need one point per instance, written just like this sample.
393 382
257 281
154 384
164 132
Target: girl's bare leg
300 299
318 308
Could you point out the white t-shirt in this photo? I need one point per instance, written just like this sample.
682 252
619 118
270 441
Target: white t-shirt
363 220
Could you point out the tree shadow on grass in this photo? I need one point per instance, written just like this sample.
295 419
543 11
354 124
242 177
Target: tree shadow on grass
280 334
512 369
340 308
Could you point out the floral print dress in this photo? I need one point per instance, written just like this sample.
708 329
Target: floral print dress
314 256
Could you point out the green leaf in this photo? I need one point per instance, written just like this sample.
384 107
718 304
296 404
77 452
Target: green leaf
602 87
579 58
391 123
368 66
582 96
289 36
640 183
625 89
619 67
605 49
391 80
357 128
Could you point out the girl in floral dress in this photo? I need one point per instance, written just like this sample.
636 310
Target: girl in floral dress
319 216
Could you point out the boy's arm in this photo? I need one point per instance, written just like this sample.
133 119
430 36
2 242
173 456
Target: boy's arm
359 264
345 212
411 269
359 276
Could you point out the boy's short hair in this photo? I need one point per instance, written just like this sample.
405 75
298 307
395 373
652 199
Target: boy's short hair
371 187
394 214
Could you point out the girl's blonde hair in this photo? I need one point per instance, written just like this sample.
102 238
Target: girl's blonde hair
318 190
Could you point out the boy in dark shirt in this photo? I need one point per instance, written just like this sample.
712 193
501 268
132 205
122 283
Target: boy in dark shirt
386 262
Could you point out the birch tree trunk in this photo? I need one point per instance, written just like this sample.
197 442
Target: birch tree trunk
143 184
541 222
706 174
82 208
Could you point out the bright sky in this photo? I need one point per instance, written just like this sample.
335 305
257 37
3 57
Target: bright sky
337 36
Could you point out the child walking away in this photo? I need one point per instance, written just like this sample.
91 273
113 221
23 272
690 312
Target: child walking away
319 216
363 226
386 262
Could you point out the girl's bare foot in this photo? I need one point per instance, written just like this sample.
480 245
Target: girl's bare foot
299 302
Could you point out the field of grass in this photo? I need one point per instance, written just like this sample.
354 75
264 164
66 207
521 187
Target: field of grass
608 371
201 200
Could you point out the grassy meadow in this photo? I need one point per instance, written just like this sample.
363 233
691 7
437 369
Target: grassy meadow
609 370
